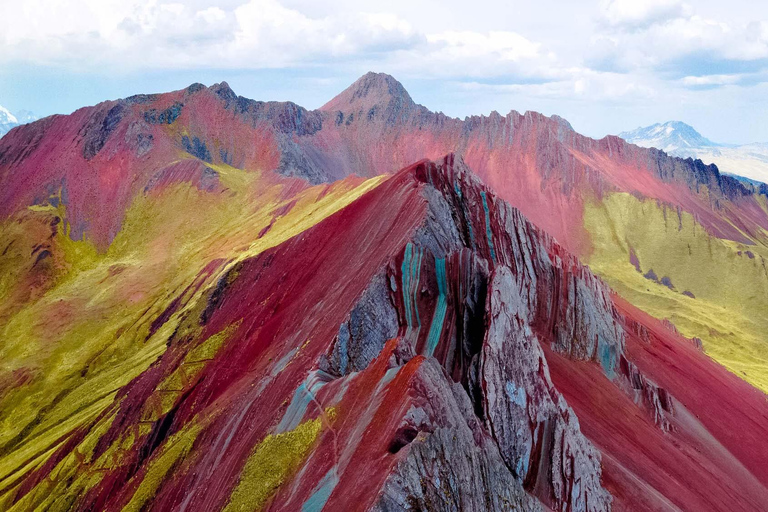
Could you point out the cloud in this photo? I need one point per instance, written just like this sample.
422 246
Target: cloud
136 35
579 84
711 80
269 34
507 46
158 34
496 54
668 38
254 34
642 13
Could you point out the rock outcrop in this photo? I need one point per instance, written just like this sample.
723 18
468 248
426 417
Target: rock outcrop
537 432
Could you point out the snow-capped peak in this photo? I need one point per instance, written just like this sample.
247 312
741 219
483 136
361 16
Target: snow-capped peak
9 120
6 117
681 140
671 137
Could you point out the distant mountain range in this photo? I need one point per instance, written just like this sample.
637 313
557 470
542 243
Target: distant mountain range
679 139
9 120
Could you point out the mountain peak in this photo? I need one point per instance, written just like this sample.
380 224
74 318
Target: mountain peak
672 137
223 90
7 117
370 92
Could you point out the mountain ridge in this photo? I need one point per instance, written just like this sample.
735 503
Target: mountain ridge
310 159
364 96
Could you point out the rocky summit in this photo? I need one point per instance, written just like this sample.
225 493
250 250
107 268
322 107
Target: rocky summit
215 303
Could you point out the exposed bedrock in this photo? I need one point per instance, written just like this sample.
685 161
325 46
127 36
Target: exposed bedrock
453 463
477 290
371 323
537 433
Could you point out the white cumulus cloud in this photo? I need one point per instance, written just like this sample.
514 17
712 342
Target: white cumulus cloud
250 34
667 36
642 13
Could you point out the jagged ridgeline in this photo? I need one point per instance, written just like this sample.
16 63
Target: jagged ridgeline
213 303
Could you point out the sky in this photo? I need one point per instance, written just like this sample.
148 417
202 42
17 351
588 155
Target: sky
605 65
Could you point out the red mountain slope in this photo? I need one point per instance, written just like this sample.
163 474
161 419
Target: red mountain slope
458 357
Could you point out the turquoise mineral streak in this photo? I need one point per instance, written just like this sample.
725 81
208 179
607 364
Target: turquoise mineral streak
411 271
439 316
488 232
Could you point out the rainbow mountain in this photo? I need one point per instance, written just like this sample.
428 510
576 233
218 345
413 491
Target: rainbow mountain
216 303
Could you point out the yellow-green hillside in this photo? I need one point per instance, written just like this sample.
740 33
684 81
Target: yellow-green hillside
87 331
728 280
